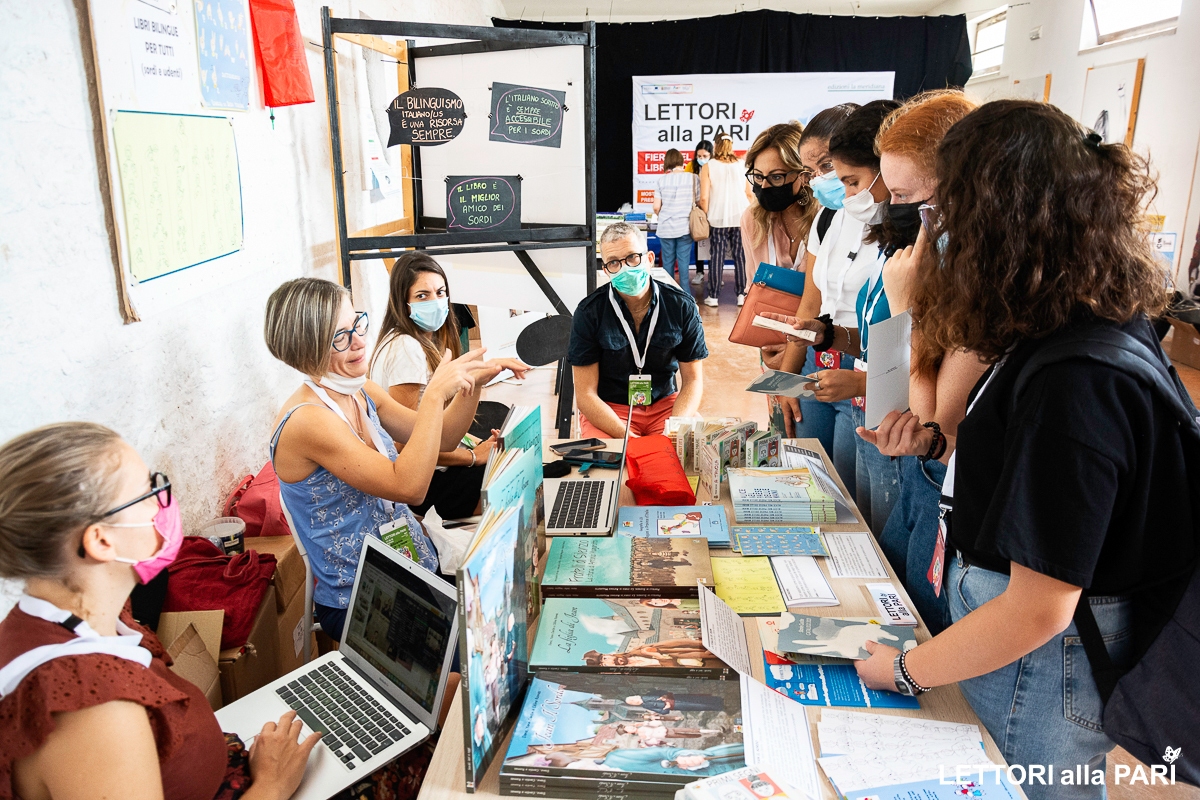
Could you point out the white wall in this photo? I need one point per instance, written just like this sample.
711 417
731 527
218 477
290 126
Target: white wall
1168 123
192 387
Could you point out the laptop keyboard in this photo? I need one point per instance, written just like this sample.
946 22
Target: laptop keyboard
355 726
577 504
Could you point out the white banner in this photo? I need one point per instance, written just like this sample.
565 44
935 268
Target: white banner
681 110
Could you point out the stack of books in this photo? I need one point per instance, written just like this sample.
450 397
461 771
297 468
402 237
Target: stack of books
622 566
780 494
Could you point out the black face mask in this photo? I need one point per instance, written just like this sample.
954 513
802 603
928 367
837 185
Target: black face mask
776 198
905 219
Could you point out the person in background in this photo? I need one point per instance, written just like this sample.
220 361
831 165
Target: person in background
677 192
417 330
332 448
1079 482
843 260
634 326
724 195
90 708
701 157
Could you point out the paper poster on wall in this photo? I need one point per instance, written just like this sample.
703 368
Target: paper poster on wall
425 116
222 28
1164 248
679 111
478 203
157 52
1035 88
1110 100
525 115
180 190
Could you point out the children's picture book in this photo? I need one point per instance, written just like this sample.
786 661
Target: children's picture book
748 585
521 432
764 449
689 522
776 485
622 566
648 636
492 630
669 731
804 634
779 541
709 464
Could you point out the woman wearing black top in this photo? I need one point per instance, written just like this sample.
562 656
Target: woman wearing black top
1077 483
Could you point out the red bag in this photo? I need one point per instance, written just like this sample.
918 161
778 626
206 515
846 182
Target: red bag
655 475
202 578
256 502
279 51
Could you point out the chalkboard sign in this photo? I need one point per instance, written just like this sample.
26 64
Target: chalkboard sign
425 116
524 115
483 203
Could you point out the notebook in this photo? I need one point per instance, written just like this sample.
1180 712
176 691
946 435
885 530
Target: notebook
380 694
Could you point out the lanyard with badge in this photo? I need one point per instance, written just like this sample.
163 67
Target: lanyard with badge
640 386
946 504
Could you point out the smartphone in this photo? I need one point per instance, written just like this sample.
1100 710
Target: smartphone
582 444
601 458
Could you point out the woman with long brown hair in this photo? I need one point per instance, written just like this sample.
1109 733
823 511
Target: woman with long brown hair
418 329
1064 477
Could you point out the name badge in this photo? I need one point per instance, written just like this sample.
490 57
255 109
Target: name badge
640 390
396 535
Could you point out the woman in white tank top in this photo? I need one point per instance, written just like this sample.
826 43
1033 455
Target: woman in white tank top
724 195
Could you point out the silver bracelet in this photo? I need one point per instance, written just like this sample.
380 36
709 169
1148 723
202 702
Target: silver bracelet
472 452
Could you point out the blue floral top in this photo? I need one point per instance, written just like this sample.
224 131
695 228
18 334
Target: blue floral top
332 517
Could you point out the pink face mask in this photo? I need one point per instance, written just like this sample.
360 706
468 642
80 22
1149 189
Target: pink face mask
169 524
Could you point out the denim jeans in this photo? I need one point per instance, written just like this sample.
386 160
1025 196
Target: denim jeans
909 537
877 478
677 251
1044 707
833 424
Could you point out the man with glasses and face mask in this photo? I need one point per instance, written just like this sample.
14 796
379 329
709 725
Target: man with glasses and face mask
628 339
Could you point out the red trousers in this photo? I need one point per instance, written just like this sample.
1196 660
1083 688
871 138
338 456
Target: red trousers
647 420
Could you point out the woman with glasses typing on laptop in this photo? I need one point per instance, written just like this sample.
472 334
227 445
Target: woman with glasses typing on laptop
333 445
88 706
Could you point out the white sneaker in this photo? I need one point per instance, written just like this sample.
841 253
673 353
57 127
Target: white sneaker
698 279
741 299
711 301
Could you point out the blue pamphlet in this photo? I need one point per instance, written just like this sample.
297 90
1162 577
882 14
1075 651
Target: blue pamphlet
675 521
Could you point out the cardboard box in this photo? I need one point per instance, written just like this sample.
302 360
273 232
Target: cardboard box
289 569
194 659
1183 344
254 665
290 636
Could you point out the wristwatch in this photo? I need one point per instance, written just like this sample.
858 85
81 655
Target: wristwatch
905 685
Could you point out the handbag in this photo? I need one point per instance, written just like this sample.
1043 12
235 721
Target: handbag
256 502
698 224
774 289
203 578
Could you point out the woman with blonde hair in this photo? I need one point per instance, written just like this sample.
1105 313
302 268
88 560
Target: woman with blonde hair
776 222
333 444
89 706
724 195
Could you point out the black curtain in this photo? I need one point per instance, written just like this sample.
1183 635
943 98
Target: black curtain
924 52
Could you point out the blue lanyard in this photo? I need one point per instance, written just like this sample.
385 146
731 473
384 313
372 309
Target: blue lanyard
869 306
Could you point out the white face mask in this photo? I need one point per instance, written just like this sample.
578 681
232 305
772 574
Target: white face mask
863 207
341 384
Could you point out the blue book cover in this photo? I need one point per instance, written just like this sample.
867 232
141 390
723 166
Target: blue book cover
519 486
679 521
818 682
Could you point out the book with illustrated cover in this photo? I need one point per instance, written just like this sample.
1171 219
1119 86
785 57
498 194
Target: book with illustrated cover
777 485
804 634
669 731
515 481
522 431
709 479
650 636
764 449
687 522
706 431
491 637
622 566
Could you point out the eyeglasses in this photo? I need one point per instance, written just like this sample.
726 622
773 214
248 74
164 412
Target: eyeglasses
341 342
614 266
160 490
778 178
931 218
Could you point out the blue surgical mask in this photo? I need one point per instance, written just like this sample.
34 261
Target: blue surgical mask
702 161
631 280
430 315
829 191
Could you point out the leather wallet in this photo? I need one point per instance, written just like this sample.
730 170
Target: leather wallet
759 299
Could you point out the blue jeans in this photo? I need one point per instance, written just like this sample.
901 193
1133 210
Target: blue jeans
677 251
877 478
1044 707
909 537
833 424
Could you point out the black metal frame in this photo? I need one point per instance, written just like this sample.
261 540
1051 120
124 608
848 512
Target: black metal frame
430 233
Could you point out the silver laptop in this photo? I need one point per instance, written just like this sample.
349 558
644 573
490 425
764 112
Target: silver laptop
585 506
380 694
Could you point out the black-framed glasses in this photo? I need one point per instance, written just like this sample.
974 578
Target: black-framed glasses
160 490
341 342
777 178
931 218
614 266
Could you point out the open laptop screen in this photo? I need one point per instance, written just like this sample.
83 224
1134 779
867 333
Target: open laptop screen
401 627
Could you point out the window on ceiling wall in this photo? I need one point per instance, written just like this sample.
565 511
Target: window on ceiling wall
987 43
1107 21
